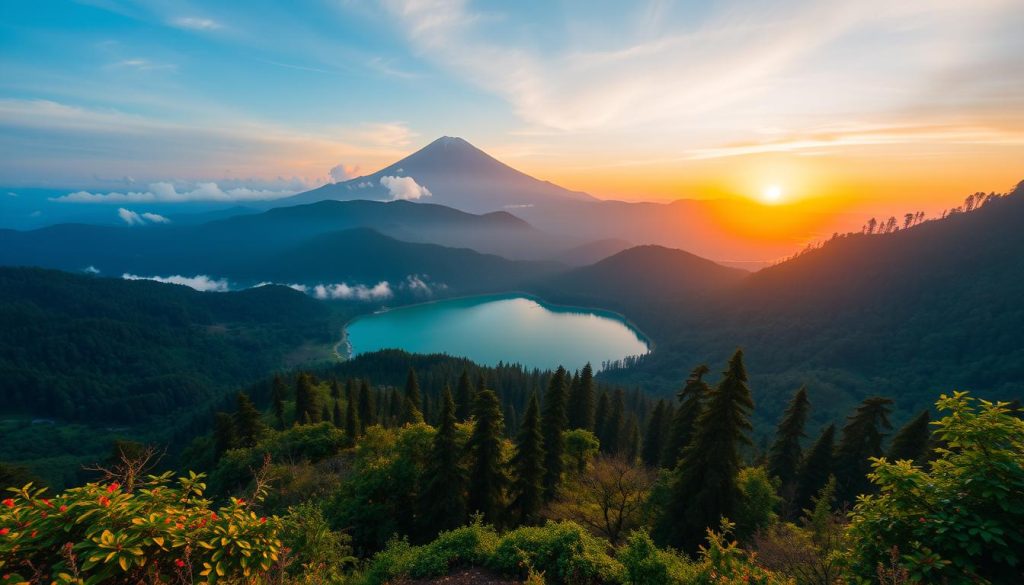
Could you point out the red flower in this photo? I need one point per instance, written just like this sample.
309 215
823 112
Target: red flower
34 533
9 503
4 531
112 487
241 501
213 515
104 501
263 520
63 508
179 563
46 503
921 520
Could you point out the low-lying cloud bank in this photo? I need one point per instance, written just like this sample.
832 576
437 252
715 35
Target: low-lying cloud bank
418 285
200 282
166 192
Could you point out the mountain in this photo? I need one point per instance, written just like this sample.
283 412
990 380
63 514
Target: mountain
929 309
592 252
641 275
253 248
364 255
457 174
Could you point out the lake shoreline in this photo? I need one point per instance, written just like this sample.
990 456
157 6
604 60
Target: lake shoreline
646 340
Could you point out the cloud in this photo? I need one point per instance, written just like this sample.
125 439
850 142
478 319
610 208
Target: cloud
165 192
155 218
380 291
405 188
421 285
12 194
90 269
195 23
342 172
200 282
130 217
140 64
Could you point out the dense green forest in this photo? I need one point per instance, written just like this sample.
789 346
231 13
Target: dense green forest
340 480
84 358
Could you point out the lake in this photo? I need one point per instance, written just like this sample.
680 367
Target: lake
503 328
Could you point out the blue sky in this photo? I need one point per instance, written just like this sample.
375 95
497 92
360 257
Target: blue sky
639 100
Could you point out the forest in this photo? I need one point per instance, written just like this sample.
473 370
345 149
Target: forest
397 467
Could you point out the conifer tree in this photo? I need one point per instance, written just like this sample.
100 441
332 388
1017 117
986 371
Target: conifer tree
654 438
614 425
581 401
223 433
704 483
784 455
553 421
278 392
367 416
528 467
394 408
815 469
691 403
861 439
600 417
337 416
305 400
443 498
913 440
487 480
248 427
631 448
336 388
325 413
351 418
463 397
411 413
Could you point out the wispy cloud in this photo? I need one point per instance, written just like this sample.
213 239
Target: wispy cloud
167 193
341 291
132 218
196 23
200 282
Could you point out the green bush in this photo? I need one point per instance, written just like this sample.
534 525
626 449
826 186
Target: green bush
961 520
564 551
469 545
646 564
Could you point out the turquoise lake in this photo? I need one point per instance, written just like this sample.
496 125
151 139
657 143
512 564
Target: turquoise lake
507 328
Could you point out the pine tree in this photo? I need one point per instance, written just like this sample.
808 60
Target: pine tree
600 417
367 416
784 455
337 416
528 466
631 448
223 434
704 484
411 413
553 423
394 408
351 417
913 440
325 413
278 392
248 426
815 469
443 498
581 401
654 438
614 425
486 478
307 407
691 403
336 388
463 397
861 439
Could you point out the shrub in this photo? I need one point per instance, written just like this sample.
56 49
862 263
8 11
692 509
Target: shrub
564 551
160 531
646 564
962 520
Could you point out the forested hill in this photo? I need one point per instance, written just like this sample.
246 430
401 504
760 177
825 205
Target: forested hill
97 349
924 310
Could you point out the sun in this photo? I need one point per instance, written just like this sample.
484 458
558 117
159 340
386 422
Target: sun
772 194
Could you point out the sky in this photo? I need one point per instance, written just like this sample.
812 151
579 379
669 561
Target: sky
851 105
